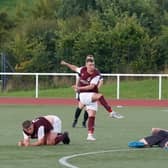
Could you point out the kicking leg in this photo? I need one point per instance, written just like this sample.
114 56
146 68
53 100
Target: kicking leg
99 97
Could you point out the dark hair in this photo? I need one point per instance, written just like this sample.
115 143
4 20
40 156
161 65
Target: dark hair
89 57
26 124
89 60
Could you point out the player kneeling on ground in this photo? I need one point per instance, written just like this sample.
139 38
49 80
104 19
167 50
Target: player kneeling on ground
159 137
46 129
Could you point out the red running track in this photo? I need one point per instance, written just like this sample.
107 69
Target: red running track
56 101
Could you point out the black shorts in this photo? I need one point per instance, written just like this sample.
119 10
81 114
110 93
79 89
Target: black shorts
158 139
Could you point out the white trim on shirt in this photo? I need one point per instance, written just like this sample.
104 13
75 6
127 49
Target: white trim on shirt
41 132
25 136
95 80
78 70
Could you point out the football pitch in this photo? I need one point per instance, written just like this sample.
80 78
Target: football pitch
109 151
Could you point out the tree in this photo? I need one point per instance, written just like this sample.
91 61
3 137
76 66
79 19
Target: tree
76 7
6 24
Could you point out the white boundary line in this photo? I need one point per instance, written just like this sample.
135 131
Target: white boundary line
64 160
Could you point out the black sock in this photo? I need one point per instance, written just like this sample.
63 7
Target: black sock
77 113
85 117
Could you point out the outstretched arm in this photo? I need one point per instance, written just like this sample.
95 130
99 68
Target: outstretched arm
38 143
100 84
72 67
24 142
27 142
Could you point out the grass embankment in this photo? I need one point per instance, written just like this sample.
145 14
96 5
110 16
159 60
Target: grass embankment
140 89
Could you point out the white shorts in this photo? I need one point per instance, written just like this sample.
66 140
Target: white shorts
57 125
86 99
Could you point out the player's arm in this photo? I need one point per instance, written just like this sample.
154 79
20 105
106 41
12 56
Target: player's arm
39 142
85 88
25 141
41 137
100 83
72 67
77 80
75 86
93 83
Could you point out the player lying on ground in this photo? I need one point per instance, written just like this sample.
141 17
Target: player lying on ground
159 137
46 129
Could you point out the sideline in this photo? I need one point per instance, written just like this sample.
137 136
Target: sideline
64 160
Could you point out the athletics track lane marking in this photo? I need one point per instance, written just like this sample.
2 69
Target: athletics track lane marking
64 160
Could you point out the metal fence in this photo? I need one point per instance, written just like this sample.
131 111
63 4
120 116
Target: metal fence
117 76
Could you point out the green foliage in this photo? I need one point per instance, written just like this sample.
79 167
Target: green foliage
46 9
161 49
127 36
76 7
6 24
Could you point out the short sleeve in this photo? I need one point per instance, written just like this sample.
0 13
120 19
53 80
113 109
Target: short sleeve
77 76
95 80
101 78
25 136
41 132
78 70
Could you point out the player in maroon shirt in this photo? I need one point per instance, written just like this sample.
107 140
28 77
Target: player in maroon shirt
89 78
80 105
46 129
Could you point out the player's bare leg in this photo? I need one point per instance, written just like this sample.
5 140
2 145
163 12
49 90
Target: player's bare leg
99 97
144 141
54 138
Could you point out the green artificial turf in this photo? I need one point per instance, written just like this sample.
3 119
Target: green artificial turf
111 134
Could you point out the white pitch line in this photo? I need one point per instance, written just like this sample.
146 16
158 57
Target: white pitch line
165 110
64 160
